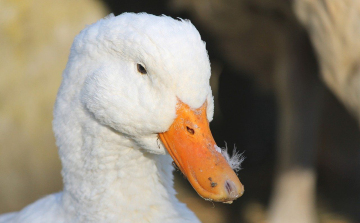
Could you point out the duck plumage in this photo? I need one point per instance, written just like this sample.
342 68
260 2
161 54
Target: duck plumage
107 117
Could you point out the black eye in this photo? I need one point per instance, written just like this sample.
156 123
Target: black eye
141 69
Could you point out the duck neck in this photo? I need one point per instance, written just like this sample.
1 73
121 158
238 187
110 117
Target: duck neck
107 179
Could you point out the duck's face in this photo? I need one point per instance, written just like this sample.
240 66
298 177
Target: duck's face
150 80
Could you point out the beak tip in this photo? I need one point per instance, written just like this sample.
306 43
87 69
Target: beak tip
233 191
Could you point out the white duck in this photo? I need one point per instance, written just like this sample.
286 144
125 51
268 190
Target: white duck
129 81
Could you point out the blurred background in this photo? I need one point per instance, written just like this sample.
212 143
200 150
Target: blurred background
255 46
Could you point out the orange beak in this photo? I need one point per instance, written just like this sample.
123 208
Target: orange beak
190 143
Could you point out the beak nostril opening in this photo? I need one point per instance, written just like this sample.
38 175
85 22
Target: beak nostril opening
190 130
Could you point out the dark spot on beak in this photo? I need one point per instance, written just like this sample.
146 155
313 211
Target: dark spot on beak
213 184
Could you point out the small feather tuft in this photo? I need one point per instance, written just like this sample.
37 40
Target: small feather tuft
235 160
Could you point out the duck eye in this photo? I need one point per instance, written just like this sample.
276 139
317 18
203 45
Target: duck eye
141 69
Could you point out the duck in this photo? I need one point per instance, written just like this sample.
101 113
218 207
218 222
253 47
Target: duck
134 103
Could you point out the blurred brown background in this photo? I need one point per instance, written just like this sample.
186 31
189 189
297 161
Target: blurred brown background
249 43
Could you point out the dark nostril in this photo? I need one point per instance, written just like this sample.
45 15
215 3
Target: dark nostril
190 130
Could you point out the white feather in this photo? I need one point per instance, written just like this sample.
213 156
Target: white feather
235 159
107 116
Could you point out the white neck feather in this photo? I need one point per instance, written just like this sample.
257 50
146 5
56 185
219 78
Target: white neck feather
108 176
108 179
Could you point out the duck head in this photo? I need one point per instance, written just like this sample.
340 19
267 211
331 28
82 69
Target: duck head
147 78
